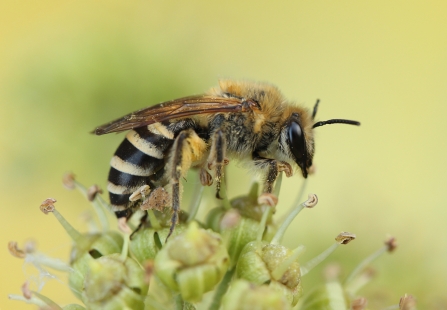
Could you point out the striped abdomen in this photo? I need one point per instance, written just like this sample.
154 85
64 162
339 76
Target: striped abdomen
136 163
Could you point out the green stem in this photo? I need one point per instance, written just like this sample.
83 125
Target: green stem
297 200
125 250
253 192
278 185
318 259
268 211
290 217
179 303
263 223
223 193
365 263
33 300
72 232
153 220
222 289
47 301
99 210
357 283
104 204
300 194
53 263
195 201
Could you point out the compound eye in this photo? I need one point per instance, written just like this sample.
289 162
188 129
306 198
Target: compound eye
297 144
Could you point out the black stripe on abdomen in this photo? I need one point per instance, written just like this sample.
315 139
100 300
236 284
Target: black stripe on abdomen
130 154
125 179
161 142
119 199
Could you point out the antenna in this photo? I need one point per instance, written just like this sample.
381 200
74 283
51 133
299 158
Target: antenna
335 121
315 109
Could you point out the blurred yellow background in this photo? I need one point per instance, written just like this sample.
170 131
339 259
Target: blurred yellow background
68 66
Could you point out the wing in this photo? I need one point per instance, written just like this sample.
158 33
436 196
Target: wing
178 108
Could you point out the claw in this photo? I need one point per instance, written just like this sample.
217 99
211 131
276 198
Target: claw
268 199
205 178
123 227
218 195
283 166
212 164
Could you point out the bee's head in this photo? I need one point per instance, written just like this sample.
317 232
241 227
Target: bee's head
298 137
300 143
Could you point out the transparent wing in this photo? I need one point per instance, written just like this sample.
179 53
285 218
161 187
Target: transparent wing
178 108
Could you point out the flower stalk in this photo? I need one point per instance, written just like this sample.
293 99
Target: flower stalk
342 238
309 203
389 246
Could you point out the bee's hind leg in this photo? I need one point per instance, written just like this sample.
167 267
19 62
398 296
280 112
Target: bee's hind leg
143 221
187 148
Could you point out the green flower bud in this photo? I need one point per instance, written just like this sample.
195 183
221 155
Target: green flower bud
273 264
240 224
148 241
93 246
192 263
111 283
245 295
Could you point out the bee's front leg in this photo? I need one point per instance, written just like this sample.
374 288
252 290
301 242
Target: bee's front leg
273 168
217 158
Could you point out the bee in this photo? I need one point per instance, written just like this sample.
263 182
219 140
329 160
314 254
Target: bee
248 121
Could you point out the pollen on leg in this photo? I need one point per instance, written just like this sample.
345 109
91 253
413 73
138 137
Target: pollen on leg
140 193
157 200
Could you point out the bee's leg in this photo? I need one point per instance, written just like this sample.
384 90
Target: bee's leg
143 221
187 148
273 168
217 158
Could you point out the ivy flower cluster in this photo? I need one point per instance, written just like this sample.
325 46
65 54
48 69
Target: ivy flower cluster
233 260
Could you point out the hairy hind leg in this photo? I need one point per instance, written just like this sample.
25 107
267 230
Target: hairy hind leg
188 148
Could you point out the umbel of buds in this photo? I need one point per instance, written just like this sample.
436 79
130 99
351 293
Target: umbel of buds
192 263
236 255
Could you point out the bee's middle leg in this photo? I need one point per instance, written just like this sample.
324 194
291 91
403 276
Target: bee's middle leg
217 158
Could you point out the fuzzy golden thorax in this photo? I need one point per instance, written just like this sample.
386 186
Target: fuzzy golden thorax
271 121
